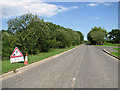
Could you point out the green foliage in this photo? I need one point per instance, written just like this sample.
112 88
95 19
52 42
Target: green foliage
32 35
114 36
21 23
81 36
97 36
8 43
116 54
117 49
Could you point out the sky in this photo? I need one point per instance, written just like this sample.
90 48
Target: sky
79 16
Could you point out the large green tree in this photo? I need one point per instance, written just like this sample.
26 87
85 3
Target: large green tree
114 35
32 32
97 35
22 23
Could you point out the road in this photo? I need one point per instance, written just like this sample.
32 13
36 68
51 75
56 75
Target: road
83 67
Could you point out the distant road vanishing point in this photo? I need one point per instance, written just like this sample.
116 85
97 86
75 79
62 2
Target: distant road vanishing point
83 67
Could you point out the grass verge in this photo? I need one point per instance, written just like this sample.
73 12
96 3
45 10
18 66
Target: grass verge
116 54
117 49
106 44
7 66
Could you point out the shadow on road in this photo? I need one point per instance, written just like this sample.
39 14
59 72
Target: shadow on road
87 43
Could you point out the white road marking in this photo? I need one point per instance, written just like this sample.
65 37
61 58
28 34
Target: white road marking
76 73
73 79
111 56
73 83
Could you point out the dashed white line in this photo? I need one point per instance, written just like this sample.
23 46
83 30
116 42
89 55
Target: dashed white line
73 83
73 79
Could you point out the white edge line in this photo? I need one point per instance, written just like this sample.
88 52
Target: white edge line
113 56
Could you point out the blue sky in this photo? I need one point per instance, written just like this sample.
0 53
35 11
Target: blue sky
79 16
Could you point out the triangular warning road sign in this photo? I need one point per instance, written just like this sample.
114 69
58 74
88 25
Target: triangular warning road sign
16 53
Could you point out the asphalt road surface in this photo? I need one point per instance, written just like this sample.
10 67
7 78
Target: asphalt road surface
83 67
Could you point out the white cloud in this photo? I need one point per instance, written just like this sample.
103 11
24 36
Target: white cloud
97 3
74 7
106 3
15 8
92 4
97 18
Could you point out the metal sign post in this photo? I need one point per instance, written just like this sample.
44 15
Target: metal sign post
14 68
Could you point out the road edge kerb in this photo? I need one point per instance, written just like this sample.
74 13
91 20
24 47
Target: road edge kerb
33 64
110 54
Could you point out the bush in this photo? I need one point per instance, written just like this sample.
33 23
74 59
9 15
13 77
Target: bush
32 35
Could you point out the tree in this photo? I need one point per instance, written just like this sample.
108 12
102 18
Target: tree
21 23
97 35
32 35
32 32
8 44
81 36
114 36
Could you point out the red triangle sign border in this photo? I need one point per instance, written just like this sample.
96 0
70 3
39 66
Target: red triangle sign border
18 51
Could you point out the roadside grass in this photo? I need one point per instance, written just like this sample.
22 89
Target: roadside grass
107 44
116 54
7 66
117 49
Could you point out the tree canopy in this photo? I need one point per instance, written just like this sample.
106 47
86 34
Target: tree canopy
114 35
97 35
33 35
